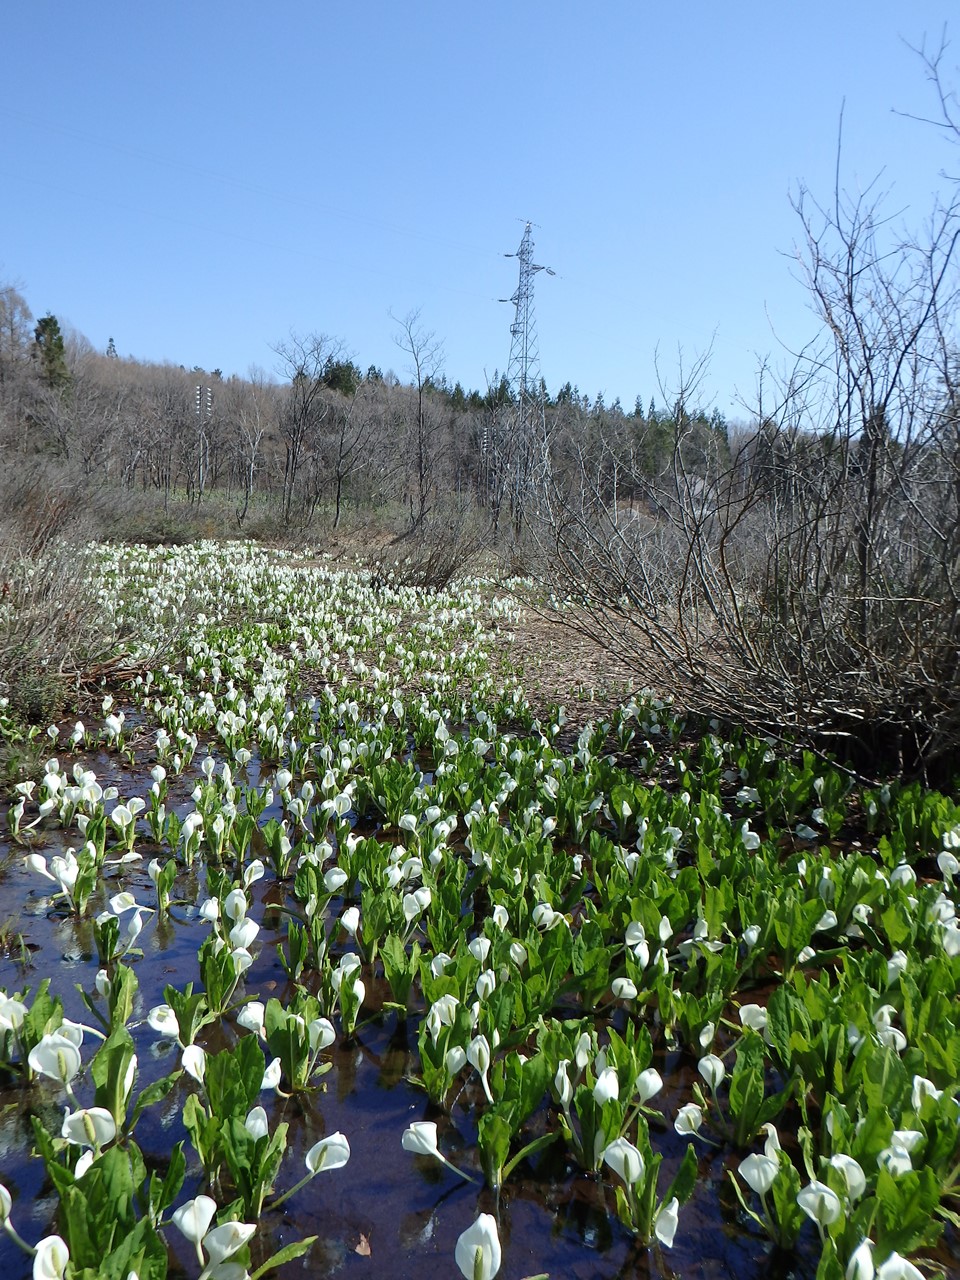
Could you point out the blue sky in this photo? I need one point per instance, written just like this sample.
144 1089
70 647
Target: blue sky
197 180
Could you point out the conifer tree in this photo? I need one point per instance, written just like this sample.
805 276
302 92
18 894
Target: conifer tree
49 350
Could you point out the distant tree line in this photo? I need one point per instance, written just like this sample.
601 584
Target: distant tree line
317 437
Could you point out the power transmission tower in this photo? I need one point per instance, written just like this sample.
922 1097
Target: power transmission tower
525 458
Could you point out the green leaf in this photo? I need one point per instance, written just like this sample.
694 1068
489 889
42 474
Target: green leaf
79 1228
61 1177
685 1180
151 1095
494 1133
287 1254
829 1267
162 1193
907 1205
399 968
788 1217
786 1016
538 1144
109 1071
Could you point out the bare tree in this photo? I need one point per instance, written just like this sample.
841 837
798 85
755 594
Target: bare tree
167 428
250 408
426 361
302 363
805 579
353 420
16 330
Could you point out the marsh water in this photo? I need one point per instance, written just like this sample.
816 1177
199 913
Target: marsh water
387 1213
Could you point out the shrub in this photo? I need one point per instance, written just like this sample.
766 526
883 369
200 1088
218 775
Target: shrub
804 579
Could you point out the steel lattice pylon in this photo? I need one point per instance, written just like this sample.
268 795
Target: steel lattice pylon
526 453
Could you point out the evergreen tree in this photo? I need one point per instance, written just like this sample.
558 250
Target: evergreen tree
112 350
50 351
342 376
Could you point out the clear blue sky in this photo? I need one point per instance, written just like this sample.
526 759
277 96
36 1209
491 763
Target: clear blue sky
199 179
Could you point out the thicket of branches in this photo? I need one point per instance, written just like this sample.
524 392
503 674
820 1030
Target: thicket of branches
803 577
52 629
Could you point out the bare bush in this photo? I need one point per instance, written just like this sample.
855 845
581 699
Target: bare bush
805 580
442 547
55 634
46 621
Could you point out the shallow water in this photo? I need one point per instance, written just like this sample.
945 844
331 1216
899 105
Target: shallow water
386 1213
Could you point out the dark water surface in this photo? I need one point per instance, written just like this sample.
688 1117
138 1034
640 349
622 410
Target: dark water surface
386 1213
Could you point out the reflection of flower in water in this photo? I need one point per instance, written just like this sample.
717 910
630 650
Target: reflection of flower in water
16 1128
418 1229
